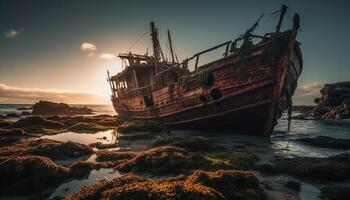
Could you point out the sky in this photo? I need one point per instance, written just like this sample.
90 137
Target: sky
60 50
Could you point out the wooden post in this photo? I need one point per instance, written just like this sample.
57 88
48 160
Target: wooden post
136 82
171 48
283 12
195 67
227 48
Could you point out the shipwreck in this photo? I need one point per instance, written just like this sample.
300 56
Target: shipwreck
244 90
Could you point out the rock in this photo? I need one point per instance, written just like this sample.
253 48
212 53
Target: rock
11 136
13 115
293 185
303 109
327 142
22 175
219 185
100 145
335 168
266 169
135 127
171 160
3 117
5 124
52 108
190 143
24 108
241 158
12 132
136 136
334 102
83 168
25 113
114 156
87 127
335 193
44 147
37 124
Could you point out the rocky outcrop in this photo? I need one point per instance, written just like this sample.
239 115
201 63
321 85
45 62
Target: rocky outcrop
44 147
334 102
29 174
52 108
200 185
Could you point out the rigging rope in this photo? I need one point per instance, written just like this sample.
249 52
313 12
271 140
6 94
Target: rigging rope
138 40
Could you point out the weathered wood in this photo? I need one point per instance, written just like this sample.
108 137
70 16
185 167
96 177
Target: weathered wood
245 90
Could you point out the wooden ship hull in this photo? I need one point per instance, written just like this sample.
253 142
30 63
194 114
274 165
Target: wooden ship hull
245 91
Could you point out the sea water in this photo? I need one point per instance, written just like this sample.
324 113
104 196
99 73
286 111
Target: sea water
280 143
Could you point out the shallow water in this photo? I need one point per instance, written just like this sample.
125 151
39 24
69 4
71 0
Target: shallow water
72 186
105 137
281 143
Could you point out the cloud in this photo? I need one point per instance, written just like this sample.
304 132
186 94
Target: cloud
13 33
86 46
107 56
305 94
9 94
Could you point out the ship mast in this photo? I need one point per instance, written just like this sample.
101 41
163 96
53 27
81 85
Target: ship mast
171 47
283 12
157 50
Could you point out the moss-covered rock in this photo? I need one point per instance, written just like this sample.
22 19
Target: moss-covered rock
45 147
219 185
87 127
82 168
12 132
29 174
336 168
136 136
114 156
240 157
134 127
233 184
171 160
100 145
190 143
37 124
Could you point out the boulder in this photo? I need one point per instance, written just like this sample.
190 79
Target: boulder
37 124
52 108
44 147
333 104
13 115
29 174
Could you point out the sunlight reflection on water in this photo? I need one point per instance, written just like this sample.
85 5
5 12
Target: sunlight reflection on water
105 137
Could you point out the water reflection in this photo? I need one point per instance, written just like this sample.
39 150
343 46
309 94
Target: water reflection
105 137
74 185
